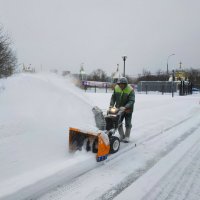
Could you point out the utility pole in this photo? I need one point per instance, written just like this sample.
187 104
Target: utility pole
124 59
173 78
168 61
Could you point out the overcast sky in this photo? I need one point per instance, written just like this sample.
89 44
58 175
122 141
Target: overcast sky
63 34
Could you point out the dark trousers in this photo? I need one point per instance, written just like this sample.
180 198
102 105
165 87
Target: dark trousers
128 118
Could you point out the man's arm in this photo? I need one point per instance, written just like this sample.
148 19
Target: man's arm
131 100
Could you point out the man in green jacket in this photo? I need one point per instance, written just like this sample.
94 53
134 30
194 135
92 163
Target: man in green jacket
123 98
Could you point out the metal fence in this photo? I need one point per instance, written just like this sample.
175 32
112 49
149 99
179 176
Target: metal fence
182 87
97 86
158 86
96 89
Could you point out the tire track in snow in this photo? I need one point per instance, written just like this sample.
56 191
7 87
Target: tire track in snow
147 139
182 183
114 191
167 129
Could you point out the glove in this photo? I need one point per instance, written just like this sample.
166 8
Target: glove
108 111
122 109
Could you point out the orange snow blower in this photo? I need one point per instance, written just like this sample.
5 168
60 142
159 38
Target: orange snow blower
102 142
91 141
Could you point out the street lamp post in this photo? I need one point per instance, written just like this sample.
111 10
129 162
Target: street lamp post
167 62
173 78
124 59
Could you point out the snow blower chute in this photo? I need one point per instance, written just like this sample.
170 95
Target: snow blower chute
102 142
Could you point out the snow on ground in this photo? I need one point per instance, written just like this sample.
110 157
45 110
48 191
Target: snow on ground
154 140
176 176
36 112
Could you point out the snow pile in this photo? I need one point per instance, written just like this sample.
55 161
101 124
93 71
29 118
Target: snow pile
36 111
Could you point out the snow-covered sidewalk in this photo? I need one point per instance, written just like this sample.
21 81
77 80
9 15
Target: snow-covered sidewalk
176 176
157 153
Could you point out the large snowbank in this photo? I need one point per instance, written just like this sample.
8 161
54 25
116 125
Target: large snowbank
36 111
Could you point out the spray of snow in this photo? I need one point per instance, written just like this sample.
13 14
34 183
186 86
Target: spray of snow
36 113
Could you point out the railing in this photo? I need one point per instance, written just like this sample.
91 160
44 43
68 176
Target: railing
96 86
96 89
181 87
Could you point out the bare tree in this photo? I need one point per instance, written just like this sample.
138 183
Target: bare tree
98 75
131 79
147 76
161 75
194 75
7 57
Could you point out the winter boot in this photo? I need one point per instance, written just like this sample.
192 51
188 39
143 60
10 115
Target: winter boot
121 133
127 135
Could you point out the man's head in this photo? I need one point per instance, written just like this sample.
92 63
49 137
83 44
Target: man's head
122 82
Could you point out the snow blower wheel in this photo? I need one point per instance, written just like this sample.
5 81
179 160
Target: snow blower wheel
114 144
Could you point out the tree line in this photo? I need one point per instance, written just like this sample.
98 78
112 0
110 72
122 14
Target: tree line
8 58
193 75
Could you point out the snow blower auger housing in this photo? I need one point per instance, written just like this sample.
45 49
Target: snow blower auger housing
102 142
95 142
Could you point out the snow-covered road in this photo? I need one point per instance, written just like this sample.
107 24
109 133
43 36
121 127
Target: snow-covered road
183 179
175 177
133 163
35 163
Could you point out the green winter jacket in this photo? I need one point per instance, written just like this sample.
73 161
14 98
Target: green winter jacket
125 98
